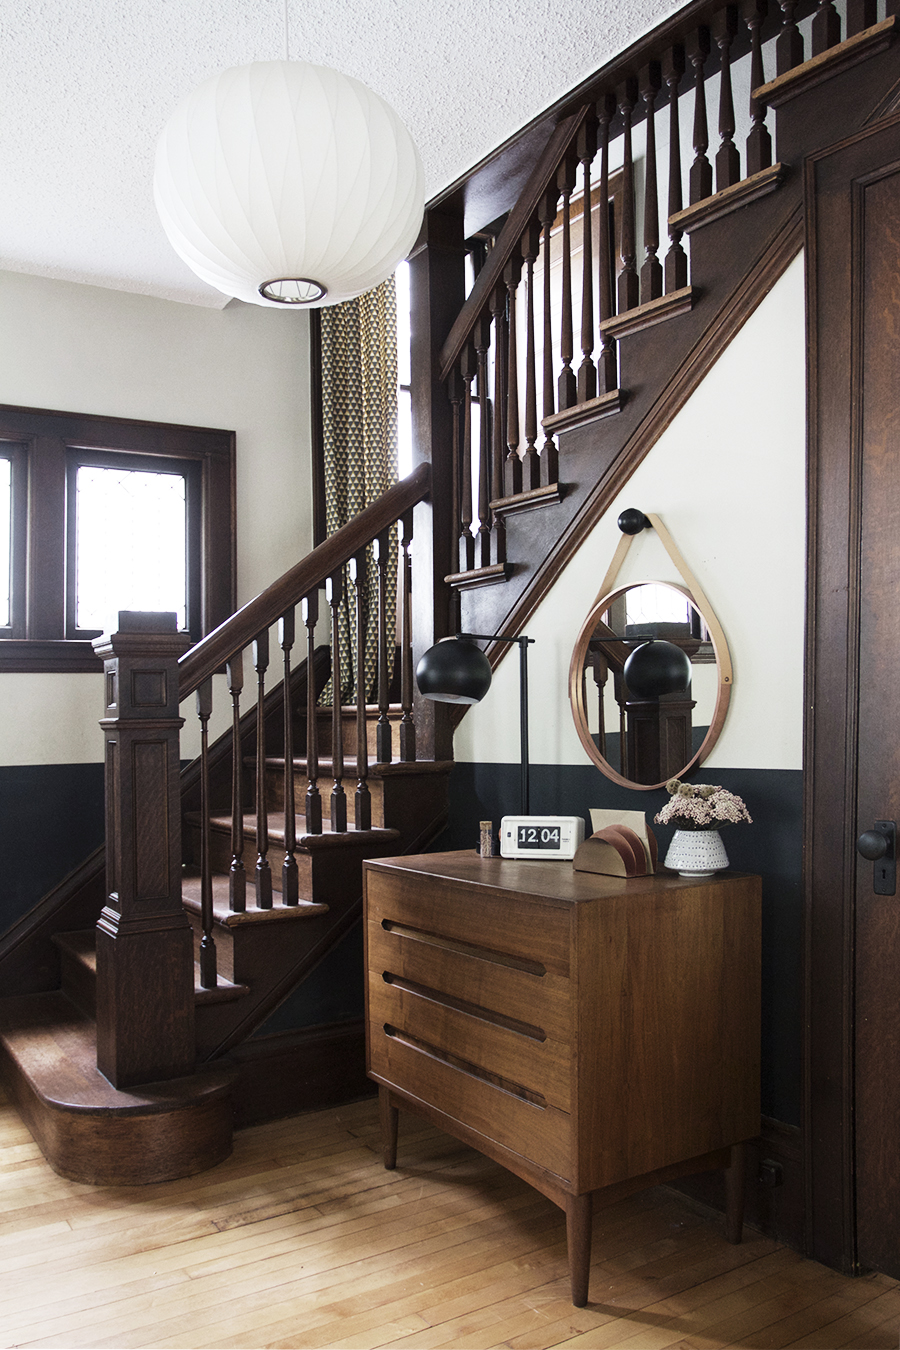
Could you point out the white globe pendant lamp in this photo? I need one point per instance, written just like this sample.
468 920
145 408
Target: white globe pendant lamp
286 183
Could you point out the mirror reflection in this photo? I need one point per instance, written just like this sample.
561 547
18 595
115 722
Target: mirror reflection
644 739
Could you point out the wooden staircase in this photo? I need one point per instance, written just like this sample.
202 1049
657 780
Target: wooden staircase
494 541
263 947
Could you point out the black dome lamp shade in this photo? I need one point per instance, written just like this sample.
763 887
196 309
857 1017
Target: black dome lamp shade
454 670
657 667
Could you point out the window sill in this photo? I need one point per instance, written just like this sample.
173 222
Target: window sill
34 656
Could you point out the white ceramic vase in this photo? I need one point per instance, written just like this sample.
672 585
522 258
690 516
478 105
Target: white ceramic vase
696 853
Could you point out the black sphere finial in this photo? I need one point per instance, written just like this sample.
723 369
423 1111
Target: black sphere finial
632 521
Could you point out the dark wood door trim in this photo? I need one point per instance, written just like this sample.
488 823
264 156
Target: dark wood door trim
835 179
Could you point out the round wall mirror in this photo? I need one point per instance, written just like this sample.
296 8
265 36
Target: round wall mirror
643 741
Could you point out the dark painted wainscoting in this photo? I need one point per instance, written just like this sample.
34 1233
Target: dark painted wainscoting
52 818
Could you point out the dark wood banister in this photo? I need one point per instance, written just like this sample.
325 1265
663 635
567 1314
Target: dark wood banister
305 576
491 273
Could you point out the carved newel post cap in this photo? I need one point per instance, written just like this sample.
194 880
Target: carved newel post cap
147 621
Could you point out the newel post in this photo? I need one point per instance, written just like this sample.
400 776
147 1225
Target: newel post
145 962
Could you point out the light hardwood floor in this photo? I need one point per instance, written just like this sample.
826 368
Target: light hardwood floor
303 1239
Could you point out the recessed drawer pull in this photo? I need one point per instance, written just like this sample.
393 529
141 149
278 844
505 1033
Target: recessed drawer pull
462 1005
465 948
465 1066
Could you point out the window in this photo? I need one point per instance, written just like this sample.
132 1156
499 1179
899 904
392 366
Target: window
102 514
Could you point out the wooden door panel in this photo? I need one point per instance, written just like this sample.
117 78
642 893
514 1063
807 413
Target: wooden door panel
853 731
877 1020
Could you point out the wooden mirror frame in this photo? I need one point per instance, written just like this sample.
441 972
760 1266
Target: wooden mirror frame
608 596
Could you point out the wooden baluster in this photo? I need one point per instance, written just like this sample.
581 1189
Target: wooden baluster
789 43
362 802
334 594
512 273
263 870
628 288
384 750
208 975
482 336
676 258
531 464
701 169
587 371
860 14
759 142
728 160
407 725
456 395
310 612
237 878
468 370
290 881
607 372
567 385
549 457
826 28
498 428
651 271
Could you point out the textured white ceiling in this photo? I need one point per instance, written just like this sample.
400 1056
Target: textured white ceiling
86 86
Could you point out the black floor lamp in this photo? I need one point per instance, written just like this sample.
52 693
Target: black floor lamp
454 670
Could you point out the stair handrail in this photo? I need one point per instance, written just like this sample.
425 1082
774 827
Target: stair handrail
237 632
491 274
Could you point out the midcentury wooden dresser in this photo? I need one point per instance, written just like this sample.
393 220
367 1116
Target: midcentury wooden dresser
595 1035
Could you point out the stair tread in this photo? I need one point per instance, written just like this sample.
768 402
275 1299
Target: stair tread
306 843
82 945
55 1048
280 912
396 768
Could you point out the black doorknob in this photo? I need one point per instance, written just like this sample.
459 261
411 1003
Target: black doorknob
872 845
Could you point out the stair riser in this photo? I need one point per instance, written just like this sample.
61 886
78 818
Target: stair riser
220 861
348 731
376 786
78 983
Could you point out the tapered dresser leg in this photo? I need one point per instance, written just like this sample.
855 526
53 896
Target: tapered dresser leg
735 1191
389 1116
579 1213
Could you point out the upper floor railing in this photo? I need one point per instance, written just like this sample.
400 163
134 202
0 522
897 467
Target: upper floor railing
595 246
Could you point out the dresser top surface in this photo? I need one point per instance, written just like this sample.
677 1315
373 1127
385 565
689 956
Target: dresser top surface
546 878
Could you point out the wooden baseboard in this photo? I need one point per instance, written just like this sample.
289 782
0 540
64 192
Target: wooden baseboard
294 1071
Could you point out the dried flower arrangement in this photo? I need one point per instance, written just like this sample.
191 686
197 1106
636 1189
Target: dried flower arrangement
705 807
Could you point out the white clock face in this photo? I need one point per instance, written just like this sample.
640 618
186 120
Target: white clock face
537 837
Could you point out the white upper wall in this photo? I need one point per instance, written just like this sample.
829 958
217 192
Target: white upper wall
76 348
727 478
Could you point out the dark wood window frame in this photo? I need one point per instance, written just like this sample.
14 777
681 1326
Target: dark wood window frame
43 447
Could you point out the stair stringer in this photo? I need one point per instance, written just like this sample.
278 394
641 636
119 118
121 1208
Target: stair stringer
736 261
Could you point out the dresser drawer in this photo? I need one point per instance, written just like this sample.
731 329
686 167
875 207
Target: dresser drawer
529 931
539 1133
512 1022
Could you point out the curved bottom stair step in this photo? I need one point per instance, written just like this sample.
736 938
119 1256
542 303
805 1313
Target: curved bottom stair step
88 1130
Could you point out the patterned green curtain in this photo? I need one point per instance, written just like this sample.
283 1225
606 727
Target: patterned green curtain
359 423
